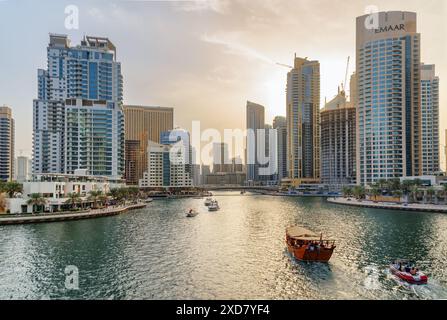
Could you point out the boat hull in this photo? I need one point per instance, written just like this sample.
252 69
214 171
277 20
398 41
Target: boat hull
304 253
189 215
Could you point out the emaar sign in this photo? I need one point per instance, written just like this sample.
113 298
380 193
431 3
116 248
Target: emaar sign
390 28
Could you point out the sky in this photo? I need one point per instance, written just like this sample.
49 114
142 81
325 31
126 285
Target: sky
205 58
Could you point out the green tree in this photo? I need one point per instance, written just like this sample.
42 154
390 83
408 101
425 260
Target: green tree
12 188
406 186
346 191
430 193
118 194
103 199
417 182
382 184
374 192
393 185
359 192
94 196
133 193
397 193
37 201
415 191
73 199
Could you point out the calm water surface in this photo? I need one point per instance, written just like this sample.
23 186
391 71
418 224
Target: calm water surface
235 253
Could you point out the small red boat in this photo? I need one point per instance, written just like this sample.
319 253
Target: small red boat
408 272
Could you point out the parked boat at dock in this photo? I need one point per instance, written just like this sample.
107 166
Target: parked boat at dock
306 245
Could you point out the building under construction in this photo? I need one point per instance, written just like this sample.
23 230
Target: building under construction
338 141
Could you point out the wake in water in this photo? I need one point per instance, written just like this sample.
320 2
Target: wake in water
432 290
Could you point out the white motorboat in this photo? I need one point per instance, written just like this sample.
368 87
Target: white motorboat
214 206
208 201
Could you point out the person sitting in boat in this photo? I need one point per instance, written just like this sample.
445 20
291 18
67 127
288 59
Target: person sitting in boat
190 210
413 271
407 268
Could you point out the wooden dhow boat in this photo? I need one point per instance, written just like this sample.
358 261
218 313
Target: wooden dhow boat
306 245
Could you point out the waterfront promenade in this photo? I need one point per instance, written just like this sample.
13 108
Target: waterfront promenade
390 205
60 216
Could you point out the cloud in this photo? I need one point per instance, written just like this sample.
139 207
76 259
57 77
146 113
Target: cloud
96 14
218 6
237 48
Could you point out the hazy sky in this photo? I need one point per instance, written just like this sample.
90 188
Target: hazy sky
204 58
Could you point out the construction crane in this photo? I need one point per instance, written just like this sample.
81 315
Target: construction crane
343 85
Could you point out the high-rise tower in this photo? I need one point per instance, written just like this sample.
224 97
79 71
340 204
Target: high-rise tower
303 121
78 122
388 88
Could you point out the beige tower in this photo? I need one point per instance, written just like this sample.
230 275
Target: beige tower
6 144
303 122
143 124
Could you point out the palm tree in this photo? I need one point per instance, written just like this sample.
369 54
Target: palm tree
94 196
406 188
359 192
133 193
102 199
382 184
417 182
347 191
438 194
374 192
116 194
73 198
398 194
37 201
393 185
415 193
430 192
11 188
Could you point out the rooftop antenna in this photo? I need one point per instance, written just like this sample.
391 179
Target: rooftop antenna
343 86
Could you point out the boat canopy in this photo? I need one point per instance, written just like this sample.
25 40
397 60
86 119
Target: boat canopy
300 233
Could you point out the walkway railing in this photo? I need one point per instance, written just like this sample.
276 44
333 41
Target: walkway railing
51 217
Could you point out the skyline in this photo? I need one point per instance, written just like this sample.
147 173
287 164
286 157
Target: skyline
229 46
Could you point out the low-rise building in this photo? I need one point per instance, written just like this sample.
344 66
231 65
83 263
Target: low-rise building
55 188
428 180
167 166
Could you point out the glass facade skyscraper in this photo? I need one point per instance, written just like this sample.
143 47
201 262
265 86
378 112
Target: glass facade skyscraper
303 121
388 101
280 125
430 119
255 116
6 144
78 118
